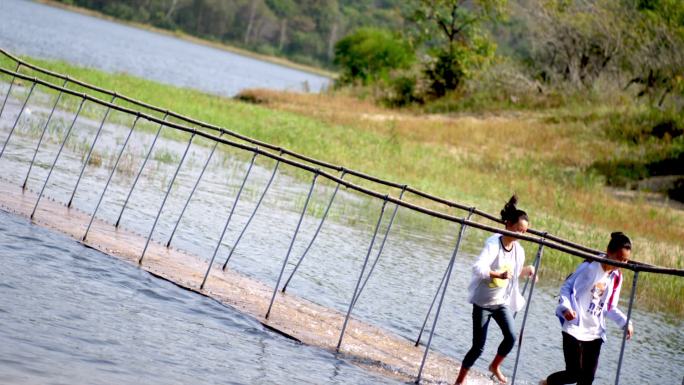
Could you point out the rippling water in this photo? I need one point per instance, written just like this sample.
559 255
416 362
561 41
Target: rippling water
30 28
72 315
396 297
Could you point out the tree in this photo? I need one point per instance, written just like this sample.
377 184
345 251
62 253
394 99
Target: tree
451 32
368 55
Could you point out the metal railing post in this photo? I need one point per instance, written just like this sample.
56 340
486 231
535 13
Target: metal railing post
439 288
256 207
230 216
318 230
111 174
78 112
35 153
624 333
382 246
166 196
142 167
441 301
90 152
289 249
185 206
14 77
533 280
363 269
23 107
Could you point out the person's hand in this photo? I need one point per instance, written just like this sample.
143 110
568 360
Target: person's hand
504 274
529 271
630 330
569 315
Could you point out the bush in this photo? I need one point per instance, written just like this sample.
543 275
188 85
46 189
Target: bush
369 54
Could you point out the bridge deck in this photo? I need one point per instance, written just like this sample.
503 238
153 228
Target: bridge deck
364 344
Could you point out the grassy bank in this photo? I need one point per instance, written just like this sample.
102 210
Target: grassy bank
480 160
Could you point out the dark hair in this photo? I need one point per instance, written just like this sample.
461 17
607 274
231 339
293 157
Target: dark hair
511 214
618 240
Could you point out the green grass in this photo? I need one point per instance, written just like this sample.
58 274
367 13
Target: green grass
544 156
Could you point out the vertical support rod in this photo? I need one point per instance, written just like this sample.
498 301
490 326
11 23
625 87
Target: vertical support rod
441 300
382 246
166 196
185 206
23 107
537 261
439 287
14 77
111 174
318 230
244 229
363 269
78 112
294 237
230 216
142 167
624 333
35 153
90 152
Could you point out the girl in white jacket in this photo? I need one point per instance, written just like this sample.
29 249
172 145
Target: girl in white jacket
494 290
587 297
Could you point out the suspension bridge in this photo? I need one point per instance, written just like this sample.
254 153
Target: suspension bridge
288 314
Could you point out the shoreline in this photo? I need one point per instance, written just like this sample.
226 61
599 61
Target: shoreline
193 39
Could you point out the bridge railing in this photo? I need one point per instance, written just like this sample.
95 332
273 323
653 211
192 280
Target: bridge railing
542 239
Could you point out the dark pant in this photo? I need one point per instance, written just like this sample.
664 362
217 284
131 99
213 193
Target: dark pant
581 361
481 316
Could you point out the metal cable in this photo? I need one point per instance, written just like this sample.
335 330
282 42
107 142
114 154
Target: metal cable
23 107
78 112
441 301
318 229
166 196
537 261
90 152
434 298
256 208
185 206
624 333
289 249
142 167
9 90
363 269
35 153
230 216
382 246
109 179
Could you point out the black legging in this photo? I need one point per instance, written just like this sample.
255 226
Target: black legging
481 316
581 361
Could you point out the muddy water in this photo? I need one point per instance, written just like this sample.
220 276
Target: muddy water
398 293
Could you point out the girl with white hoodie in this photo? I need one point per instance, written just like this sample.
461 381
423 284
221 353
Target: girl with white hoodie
587 297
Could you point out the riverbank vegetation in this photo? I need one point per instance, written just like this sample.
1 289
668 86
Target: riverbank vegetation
546 156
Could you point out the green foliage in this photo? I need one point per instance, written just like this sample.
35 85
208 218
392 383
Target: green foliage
369 54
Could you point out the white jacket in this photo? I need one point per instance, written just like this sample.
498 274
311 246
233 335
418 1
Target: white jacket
483 265
581 281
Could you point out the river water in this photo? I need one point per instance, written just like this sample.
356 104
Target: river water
38 30
57 311
396 297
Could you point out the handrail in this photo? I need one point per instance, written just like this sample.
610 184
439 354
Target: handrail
541 241
285 151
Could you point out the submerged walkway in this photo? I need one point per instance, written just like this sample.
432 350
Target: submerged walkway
365 345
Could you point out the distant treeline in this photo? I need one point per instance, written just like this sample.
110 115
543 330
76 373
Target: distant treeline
304 31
